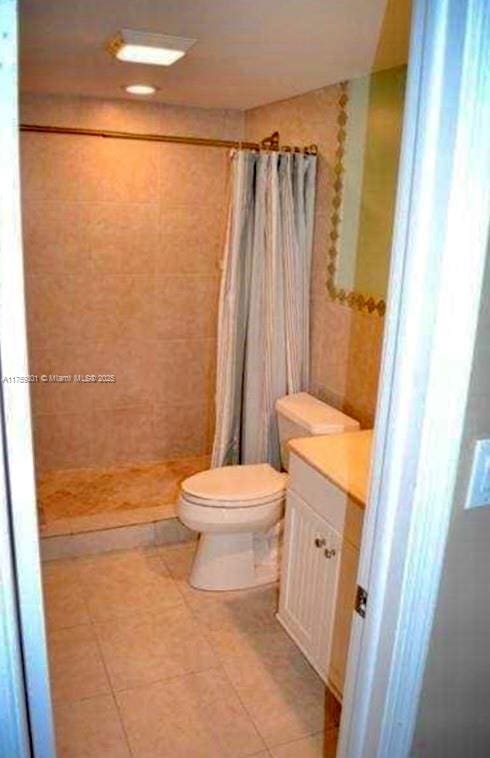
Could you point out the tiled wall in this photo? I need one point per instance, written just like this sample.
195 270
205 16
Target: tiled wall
122 242
346 344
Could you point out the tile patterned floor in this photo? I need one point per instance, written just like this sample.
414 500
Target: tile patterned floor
143 665
77 500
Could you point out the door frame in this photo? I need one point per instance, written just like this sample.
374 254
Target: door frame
438 256
28 722
420 412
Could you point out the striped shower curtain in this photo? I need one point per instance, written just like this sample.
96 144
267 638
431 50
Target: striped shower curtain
263 327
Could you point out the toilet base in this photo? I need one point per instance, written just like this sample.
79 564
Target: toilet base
229 562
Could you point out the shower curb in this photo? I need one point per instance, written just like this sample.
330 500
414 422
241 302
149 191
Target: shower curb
165 532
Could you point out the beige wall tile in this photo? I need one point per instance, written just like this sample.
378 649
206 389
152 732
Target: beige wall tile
63 440
194 122
179 431
319 258
192 175
191 239
120 304
58 308
90 113
66 168
185 306
183 370
64 359
132 360
121 237
122 434
234 125
54 238
306 119
127 115
100 217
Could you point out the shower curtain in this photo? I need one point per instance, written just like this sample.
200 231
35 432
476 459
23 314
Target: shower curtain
263 326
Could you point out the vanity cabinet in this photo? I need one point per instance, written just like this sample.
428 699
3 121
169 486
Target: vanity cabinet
322 534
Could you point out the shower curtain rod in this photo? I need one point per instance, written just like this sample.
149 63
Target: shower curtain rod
270 143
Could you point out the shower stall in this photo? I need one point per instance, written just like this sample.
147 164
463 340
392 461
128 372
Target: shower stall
124 230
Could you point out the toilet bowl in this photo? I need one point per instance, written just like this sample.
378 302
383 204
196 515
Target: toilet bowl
234 508
237 510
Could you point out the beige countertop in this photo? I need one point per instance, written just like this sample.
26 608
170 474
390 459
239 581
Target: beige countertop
345 459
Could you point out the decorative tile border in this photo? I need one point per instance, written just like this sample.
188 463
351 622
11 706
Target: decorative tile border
350 298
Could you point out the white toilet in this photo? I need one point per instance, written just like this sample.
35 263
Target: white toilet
238 509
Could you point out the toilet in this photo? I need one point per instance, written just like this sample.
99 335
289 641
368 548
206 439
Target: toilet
238 510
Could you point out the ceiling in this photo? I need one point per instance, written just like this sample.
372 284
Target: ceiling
249 52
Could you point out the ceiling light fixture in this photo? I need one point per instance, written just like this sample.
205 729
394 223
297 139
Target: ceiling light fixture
140 89
144 47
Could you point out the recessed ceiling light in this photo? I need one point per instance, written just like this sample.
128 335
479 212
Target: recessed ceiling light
140 89
144 47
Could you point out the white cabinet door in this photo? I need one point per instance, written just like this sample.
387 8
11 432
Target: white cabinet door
327 600
308 581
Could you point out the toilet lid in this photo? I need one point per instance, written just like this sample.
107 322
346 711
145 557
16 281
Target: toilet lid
235 484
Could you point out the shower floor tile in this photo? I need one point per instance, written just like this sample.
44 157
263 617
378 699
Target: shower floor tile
78 500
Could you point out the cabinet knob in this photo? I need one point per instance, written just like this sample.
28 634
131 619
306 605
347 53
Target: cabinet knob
320 542
330 553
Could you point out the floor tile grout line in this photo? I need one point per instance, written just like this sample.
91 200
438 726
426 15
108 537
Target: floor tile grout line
164 680
247 711
93 624
205 633
112 692
90 624
257 728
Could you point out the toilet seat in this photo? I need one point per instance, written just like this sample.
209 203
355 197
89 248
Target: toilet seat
234 504
243 486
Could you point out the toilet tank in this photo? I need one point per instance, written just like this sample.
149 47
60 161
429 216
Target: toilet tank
302 415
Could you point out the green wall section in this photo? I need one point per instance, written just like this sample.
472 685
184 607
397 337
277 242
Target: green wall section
380 174
374 125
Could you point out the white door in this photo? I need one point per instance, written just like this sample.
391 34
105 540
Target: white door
442 210
20 590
